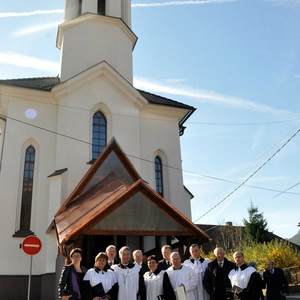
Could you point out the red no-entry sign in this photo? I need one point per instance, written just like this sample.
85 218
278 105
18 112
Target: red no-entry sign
32 245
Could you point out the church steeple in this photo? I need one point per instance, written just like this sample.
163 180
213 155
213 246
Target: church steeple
95 31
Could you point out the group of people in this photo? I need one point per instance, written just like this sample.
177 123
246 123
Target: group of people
196 278
224 279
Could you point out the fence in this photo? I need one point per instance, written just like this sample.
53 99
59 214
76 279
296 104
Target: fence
292 275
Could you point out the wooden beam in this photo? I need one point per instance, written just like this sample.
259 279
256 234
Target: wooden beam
136 233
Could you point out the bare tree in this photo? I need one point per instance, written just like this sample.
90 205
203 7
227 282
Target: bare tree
228 237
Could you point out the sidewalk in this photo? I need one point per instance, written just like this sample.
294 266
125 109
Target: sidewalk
297 296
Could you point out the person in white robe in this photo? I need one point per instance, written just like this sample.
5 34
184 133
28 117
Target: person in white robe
100 274
154 279
177 276
198 264
244 280
130 279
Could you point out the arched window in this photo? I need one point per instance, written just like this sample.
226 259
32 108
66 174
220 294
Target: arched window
101 7
158 175
27 189
99 134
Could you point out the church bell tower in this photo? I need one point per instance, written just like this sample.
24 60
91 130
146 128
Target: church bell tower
94 31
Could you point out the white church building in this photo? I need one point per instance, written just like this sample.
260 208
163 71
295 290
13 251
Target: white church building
86 159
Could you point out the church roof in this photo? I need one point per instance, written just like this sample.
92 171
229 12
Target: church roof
155 99
39 83
112 199
47 83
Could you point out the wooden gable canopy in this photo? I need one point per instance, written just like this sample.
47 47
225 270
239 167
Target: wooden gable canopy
112 199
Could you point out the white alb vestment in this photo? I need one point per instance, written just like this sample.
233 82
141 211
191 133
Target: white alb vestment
128 280
240 277
199 268
186 276
154 284
108 279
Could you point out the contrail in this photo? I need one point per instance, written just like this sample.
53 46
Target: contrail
172 3
206 96
31 13
60 11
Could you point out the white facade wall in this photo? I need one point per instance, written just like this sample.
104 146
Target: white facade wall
160 124
90 39
75 114
18 136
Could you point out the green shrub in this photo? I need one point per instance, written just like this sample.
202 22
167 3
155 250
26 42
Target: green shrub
282 252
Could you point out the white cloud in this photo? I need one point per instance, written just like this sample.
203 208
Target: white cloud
284 2
172 3
24 61
30 13
296 76
36 28
206 96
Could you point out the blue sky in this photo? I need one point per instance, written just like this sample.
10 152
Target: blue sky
237 62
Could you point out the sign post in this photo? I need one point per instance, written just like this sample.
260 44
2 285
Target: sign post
31 246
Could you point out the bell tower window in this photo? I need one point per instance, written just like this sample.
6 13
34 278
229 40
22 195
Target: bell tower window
80 8
101 7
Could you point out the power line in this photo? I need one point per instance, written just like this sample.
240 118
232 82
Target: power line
287 189
250 175
188 122
250 164
244 124
146 160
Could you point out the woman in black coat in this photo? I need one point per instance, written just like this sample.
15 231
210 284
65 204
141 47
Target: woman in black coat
71 279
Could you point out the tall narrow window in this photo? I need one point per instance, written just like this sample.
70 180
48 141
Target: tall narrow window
80 7
158 176
101 7
27 189
99 134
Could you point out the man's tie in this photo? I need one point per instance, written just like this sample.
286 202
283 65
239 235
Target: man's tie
220 265
110 263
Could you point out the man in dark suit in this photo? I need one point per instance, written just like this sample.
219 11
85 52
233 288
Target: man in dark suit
138 259
111 252
165 263
277 286
216 281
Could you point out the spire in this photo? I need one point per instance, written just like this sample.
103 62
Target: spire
95 31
